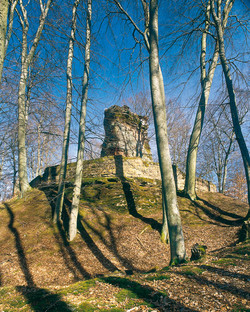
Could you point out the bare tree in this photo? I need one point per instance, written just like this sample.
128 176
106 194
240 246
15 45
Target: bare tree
82 127
170 207
178 133
206 83
218 20
26 60
7 8
4 7
66 135
236 184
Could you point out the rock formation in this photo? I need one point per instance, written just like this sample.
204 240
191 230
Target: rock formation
125 134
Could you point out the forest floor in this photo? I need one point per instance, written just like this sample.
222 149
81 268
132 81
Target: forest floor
117 261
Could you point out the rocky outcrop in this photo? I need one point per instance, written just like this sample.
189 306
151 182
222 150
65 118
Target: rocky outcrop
126 134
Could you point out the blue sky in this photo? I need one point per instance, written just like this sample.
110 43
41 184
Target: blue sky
116 74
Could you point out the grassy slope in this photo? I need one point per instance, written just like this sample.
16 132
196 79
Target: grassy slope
41 271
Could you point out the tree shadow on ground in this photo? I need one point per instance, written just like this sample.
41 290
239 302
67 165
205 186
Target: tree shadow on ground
42 300
20 249
109 240
69 255
130 198
221 271
155 299
214 214
221 286
65 247
39 299
219 210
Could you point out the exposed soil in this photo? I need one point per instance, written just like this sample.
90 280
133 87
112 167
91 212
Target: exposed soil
121 249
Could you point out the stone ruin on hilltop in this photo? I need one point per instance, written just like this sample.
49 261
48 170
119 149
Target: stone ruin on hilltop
126 134
125 154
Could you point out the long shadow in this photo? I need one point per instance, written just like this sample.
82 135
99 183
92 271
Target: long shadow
87 239
156 299
19 247
84 234
219 210
130 198
215 217
228 287
111 244
68 253
94 249
225 273
42 300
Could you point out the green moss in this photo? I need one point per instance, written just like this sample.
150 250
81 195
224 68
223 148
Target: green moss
17 303
158 278
189 270
78 288
126 294
3 291
224 261
86 307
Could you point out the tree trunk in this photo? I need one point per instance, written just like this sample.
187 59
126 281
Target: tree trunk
232 100
7 9
66 134
206 82
22 119
81 139
4 7
22 105
176 238
164 229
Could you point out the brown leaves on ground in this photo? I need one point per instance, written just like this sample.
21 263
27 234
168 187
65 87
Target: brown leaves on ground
124 255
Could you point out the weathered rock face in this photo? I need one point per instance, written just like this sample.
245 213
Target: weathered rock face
125 134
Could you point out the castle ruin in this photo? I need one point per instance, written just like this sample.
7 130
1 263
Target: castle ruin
125 154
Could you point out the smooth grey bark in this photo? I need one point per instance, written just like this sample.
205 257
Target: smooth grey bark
7 8
217 17
164 229
66 134
206 82
177 246
38 162
4 8
81 138
170 206
26 61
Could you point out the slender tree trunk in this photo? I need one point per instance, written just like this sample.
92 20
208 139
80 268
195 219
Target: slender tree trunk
164 229
4 7
38 161
224 177
232 100
81 139
22 103
22 118
177 246
66 134
206 82
7 9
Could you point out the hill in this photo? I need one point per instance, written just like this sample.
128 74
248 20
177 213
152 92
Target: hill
117 262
